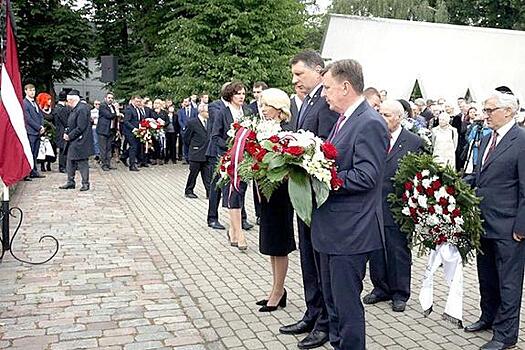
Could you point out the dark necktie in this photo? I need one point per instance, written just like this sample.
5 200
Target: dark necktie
302 111
187 113
389 149
337 126
491 147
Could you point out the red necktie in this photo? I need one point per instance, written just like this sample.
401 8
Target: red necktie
491 148
389 148
338 124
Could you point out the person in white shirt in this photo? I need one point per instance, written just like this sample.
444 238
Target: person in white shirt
94 122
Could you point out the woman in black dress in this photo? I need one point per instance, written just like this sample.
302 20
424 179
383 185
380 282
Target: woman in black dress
276 236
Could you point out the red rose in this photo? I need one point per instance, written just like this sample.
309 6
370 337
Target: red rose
274 139
431 209
443 202
419 176
412 211
456 212
223 168
420 189
236 126
430 192
404 198
329 150
445 211
251 148
451 190
294 150
255 167
260 155
276 148
409 186
436 185
252 135
335 181
229 170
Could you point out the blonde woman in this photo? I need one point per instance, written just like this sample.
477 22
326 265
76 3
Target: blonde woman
445 141
276 236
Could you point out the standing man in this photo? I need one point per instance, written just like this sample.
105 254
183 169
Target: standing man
461 122
60 115
193 101
106 115
296 101
373 97
349 225
316 117
132 117
258 88
80 141
500 182
185 113
390 274
196 137
34 126
94 122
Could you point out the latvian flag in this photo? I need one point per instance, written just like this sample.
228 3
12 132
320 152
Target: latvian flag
16 160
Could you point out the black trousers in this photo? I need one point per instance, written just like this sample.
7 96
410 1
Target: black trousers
390 274
82 166
134 149
216 193
104 144
196 168
500 274
171 147
342 282
179 146
34 143
316 313
62 159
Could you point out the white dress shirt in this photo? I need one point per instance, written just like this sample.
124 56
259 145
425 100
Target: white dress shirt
502 131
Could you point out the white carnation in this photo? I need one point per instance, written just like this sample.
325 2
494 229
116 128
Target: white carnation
406 211
425 173
426 183
422 201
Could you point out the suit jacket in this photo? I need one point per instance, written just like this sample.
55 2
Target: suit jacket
183 118
105 116
196 138
214 110
33 117
219 133
80 133
294 110
351 220
501 183
318 117
254 108
427 113
131 120
406 142
60 116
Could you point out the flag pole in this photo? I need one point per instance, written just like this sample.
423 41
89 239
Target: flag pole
6 244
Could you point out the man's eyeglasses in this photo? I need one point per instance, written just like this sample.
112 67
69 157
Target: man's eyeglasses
489 111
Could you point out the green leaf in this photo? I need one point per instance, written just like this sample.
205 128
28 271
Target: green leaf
276 162
300 191
321 191
277 174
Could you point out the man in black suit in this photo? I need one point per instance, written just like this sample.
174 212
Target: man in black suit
424 110
185 114
196 138
132 118
500 182
296 102
60 116
80 141
106 114
461 122
349 225
390 274
34 126
316 117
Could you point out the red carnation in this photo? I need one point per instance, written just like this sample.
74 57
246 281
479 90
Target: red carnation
255 167
252 135
274 139
409 186
456 212
404 198
430 192
229 170
443 202
445 211
431 209
451 190
329 150
436 185
236 126
260 155
251 148
294 150
223 168
420 189
276 148
419 176
412 211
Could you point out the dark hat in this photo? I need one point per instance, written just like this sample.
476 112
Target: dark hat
406 107
504 89
62 96
74 93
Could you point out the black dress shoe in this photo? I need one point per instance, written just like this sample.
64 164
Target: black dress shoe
68 186
296 328
84 188
144 165
398 305
37 176
27 178
105 168
281 303
496 345
216 225
191 195
258 221
313 340
246 225
372 298
480 325
133 168
262 302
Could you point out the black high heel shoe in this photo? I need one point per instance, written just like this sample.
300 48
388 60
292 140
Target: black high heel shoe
262 302
282 303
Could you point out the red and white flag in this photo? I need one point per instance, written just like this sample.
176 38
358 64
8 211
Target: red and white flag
16 159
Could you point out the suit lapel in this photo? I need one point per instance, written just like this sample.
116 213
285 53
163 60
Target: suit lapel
398 146
307 107
502 146
346 126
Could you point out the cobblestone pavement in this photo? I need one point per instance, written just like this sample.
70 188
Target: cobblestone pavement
139 269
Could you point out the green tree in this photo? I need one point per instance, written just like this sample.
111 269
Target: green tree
54 41
505 14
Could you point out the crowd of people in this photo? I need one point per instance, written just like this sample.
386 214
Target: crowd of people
354 226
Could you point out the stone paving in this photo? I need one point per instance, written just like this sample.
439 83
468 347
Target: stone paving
139 269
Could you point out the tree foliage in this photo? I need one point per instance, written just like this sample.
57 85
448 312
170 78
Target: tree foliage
54 41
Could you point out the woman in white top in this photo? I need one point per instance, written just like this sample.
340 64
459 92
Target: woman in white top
445 141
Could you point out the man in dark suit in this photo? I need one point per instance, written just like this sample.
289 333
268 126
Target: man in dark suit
60 116
185 113
390 274
349 225
34 126
80 141
500 182
296 102
196 137
461 122
316 117
106 114
424 110
132 118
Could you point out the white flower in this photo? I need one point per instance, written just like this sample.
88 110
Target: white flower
446 218
451 207
267 128
459 220
422 201
426 183
441 193
406 211
425 173
433 220
438 209
452 199
411 203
